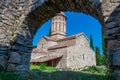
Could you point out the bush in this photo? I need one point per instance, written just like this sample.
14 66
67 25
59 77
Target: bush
93 69
42 66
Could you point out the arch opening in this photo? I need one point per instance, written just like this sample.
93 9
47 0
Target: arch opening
76 23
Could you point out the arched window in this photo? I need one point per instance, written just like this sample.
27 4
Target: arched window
63 19
55 26
83 57
60 26
63 27
59 18
42 45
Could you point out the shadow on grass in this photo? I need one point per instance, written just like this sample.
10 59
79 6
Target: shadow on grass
65 75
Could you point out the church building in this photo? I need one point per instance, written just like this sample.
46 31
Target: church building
61 51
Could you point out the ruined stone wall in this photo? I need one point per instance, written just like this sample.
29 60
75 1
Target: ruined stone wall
110 10
111 13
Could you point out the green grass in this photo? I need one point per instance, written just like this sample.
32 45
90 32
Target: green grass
58 75
95 70
43 67
44 72
67 75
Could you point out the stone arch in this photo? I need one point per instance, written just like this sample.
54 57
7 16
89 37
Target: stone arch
29 21
22 18
40 13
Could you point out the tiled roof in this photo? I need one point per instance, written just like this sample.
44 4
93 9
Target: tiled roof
72 37
63 44
46 58
38 50
50 38
67 38
61 13
53 39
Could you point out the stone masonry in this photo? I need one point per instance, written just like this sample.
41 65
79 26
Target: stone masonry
19 20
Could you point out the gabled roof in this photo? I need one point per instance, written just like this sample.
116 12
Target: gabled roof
49 38
46 58
66 42
63 44
62 14
38 50
79 34
66 38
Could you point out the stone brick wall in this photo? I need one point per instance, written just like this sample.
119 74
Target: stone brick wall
111 13
80 55
63 60
43 43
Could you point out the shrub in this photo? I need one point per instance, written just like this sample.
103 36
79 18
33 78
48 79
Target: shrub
42 66
93 69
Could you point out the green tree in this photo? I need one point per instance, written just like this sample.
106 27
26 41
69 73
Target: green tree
34 46
97 55
100 59
91 42
49 32
103 43
104 48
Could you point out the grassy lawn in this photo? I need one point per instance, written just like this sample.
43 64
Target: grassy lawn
51 73
95 70
44 72
58 75
43 67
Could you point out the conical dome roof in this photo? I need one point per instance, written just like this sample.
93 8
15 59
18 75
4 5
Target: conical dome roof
61 13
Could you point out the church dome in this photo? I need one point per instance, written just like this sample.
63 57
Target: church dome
58 27
61 13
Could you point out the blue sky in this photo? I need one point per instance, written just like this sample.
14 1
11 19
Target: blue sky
76 23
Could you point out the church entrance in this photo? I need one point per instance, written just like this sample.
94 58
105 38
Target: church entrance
53 62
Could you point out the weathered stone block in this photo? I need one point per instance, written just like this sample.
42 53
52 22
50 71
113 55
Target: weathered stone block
20 48
3 61
113 44
22 67
26 58
116 75
11 67
15 58
111 24
2 36
113 31
115 57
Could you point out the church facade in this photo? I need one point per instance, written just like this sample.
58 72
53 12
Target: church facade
63 51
